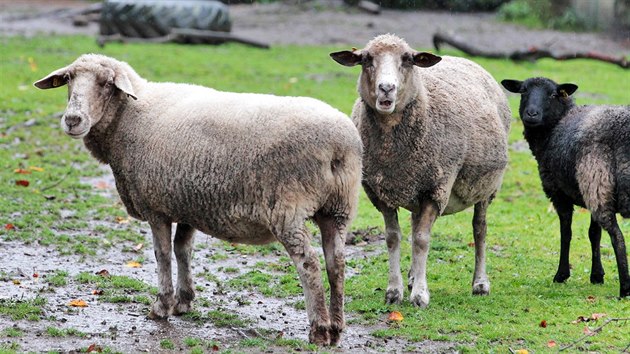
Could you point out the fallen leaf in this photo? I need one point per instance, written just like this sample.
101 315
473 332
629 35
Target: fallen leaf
471 244
9 227
138 247
543 324
35 275
551 344
215 348
78 303
94 348
22 182
522 351
591 299
587 331
22 171
36 169
597 316
134 264
122 220
580 319
103 272
16 282
395 316
97 292
101 185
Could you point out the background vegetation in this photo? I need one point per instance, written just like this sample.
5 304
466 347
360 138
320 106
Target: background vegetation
525 309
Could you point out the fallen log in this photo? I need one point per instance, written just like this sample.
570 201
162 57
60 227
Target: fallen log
184 35
530 54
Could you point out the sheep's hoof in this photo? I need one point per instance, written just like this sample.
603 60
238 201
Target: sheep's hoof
481 287
624 291
159 310
420 298
319 335
561 277
393 296
597 278
335 335
181 308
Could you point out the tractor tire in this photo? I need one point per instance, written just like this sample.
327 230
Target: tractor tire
155 18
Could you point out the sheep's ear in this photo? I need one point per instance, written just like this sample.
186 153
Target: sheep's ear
121 81
55 79
566 90
347 58
425 60
512 85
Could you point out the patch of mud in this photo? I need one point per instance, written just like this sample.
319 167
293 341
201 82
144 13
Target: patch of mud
124 326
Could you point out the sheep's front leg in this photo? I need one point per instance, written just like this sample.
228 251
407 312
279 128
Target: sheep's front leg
297 244
393 236
163 306
421 224
480 284
183 245
565 214
333 242
595 236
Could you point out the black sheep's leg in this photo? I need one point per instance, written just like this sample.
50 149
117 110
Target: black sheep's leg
595 236
565 214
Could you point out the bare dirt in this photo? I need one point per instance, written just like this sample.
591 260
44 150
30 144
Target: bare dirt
123 327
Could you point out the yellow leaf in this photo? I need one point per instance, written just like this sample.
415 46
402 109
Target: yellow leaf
16 282
32 64
122 220
77 303
395 316
134 264
522 351
35 168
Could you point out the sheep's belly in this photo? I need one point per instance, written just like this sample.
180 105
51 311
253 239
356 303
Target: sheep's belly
243 232
455 205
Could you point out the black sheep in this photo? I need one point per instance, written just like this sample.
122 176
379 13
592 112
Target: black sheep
583 155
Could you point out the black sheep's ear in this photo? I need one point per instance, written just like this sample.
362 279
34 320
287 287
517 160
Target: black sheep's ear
566 90
512 85
425 60
347 58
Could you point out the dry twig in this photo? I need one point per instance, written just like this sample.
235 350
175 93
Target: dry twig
595 331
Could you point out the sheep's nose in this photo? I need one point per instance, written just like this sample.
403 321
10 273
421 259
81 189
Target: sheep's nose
386 88
532 113
72 121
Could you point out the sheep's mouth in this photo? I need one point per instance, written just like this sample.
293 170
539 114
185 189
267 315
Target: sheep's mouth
385 103
77 135
385 106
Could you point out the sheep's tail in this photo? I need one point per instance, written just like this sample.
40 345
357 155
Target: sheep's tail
345 167
623 181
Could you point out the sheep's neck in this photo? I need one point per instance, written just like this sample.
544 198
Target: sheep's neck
101 137
387 122
538 139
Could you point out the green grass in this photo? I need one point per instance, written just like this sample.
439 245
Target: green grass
523 239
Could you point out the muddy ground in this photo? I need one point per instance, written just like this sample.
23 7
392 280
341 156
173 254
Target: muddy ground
123 327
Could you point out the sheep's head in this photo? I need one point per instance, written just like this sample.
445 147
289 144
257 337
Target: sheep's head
387 68
94 81
543 102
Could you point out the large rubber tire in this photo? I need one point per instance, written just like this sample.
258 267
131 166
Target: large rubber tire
155 18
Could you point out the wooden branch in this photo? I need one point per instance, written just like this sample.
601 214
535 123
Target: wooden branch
530 54
593 332
183 35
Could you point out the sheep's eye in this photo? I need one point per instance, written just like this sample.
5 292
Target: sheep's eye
366 61
553 95
407 60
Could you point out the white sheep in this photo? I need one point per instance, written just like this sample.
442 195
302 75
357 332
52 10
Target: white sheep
245 168
435 137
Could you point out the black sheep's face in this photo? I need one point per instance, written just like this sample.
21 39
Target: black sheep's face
543 102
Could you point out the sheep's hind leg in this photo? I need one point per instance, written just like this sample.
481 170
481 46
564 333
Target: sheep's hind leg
394 294
480 284
183 245
163 306
595 236
608 221
421 224
297 243
333 241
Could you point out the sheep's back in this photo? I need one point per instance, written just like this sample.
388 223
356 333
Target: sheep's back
241 159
